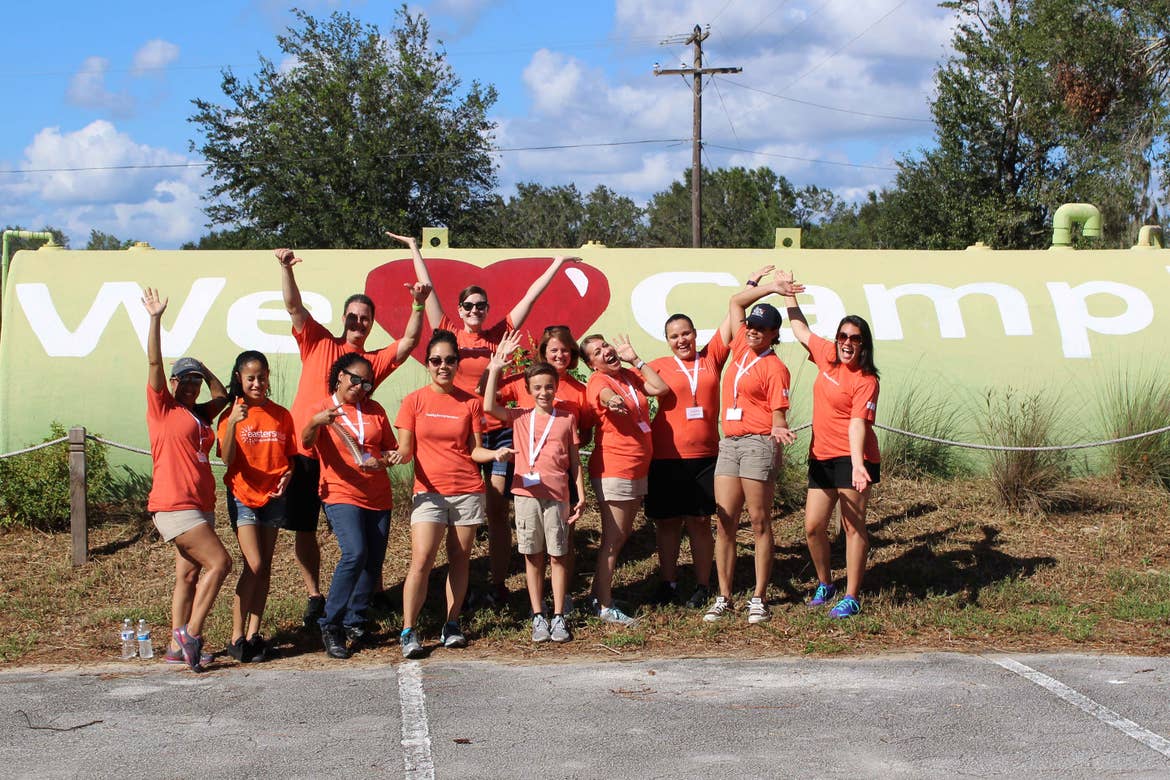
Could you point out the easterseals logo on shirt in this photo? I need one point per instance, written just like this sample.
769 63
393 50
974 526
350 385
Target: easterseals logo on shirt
253 436
442 416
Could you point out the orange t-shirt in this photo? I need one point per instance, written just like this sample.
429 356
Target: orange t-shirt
622 448
442 424
570 397
179 443
475 352
265 440
553 457
342 482
763 388
319 349
840 393
673 433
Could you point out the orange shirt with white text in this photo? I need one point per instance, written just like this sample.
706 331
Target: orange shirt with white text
840 393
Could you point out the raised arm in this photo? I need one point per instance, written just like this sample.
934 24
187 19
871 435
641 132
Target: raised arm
507 348
227 444
655 386
727 327
522 309
434 309
796 318
420 292
288 288
737 306
219 395
156 376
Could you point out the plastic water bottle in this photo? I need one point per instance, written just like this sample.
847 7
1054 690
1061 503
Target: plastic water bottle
129 641
145 650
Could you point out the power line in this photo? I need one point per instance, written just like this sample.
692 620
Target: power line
845 45
830 108
802 159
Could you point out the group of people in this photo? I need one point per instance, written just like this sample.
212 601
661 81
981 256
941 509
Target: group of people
478 435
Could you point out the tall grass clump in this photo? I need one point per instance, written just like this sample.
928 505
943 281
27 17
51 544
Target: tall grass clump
917 411
1136 402
1026 481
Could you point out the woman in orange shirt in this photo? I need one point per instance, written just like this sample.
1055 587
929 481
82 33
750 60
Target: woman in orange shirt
182 492
440 426
843 457
621 452
257 440
351 437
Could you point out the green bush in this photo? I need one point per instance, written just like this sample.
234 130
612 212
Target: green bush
1026 481
1135 403
34 487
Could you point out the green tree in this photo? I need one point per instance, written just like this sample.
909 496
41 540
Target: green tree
100 240
539 215
361 133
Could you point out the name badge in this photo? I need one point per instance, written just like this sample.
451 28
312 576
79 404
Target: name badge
644 426
735 413
530 479
201 457
694 413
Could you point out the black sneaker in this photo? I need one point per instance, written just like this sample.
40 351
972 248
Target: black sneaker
314 611
238 650
259 650
334 643
359 635
699 598
452 635
666 593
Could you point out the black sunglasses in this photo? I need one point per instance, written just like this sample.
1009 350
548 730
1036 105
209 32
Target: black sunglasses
848 338
477 305
354 379
447 360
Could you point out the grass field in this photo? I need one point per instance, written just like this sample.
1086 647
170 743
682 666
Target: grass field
949 570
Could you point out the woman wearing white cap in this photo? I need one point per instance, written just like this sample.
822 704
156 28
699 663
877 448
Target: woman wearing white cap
755 425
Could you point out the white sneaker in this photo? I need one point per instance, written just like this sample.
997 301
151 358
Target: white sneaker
717 610
615 615
757 611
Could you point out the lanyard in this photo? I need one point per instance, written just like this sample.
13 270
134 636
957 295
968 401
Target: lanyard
740 370
360 430
535 447
692 379
202 425
633 393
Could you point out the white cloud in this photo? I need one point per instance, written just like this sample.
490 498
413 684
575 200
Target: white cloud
87 89
154 55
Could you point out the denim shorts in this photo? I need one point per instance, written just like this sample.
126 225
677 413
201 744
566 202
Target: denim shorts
271 515
493 440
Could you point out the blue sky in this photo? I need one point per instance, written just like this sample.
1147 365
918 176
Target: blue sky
108 87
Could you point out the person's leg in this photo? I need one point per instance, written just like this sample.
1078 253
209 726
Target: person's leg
758 498
702 548
243 606
375 530
460 540
203 551
818 509
303 510
186 578
617 521
308 554
499 532
534 574
853 506
346 520
560 575
263 578
729 500
668 538
425 538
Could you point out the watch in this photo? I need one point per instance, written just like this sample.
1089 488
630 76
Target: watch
752 283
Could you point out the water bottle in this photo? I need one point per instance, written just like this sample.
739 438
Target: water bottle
129 641
145 650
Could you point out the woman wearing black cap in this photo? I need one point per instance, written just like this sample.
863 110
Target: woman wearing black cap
755 425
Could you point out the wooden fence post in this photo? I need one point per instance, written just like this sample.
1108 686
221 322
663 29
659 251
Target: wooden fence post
77 521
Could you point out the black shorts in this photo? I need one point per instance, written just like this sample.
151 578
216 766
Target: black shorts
680 487
837 473
303 507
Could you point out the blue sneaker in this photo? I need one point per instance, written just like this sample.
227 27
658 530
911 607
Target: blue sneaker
823 595
452 635
846 607
411 646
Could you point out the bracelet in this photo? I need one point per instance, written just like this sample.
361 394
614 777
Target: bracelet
416 306
752 283
640 364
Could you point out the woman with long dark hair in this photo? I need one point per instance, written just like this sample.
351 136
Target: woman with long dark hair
843 457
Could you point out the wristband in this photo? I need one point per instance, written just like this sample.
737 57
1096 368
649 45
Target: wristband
416 306
640 364
752 283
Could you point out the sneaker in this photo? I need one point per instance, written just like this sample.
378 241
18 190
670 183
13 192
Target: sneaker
314 611
615 616
846 607
540 632
238 650
259 649
699 597
452 635
717 610
175 656
757 610
823 595
666 594
560 631
360 635
333 640
411 647
192 647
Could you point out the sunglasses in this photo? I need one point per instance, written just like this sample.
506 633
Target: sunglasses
477 305
190 379
448 360
551 328
354 379
849 338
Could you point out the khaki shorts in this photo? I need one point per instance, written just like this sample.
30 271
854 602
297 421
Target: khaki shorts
541 526
173 524
753 456
618 488
463 509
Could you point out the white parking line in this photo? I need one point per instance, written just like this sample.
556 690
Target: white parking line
416 736
1085 704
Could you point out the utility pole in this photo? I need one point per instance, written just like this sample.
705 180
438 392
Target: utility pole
697 72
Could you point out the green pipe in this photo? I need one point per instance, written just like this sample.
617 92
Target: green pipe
1084 214
33 234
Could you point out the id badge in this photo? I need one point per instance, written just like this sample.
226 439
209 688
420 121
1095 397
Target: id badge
694 413
202 458
644 426
735 413
530 479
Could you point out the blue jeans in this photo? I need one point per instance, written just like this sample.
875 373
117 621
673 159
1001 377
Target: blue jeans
361 534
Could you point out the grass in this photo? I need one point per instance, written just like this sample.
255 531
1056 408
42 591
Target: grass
916 410
1136 402
1026 481
949 570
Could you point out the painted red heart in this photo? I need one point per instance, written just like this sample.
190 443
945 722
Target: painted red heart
576 297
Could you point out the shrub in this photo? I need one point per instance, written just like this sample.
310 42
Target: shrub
1136 403
1028 481
915 410
34 487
